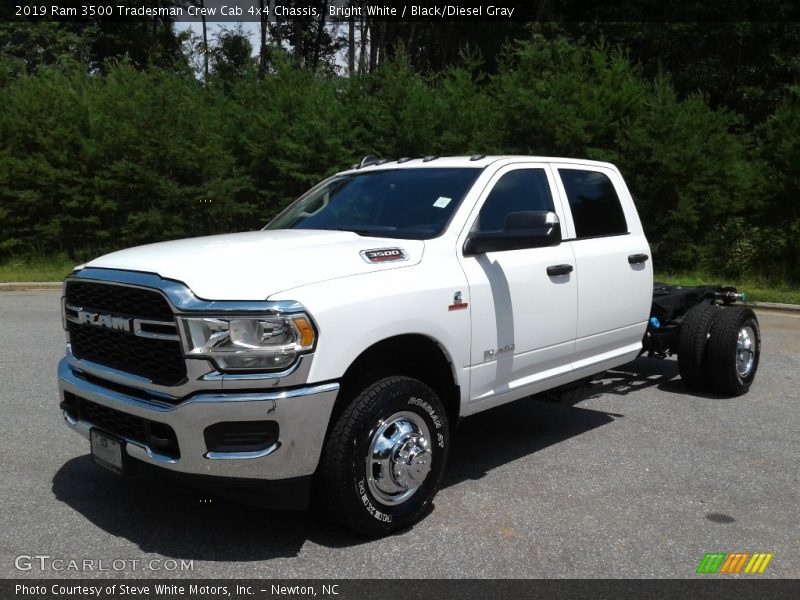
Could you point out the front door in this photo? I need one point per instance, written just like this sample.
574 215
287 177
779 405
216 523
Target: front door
523 320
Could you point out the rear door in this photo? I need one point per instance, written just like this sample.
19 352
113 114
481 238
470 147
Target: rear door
523 320
612 261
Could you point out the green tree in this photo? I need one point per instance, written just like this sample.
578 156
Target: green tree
231 55
780 152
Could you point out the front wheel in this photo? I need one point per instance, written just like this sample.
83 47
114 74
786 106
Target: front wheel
385 457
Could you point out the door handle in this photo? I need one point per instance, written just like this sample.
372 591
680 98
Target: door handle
637 259
555 270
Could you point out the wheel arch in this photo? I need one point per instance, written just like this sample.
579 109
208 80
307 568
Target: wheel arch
413 355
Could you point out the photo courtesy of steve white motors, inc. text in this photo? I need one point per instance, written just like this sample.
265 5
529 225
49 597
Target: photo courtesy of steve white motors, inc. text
170 589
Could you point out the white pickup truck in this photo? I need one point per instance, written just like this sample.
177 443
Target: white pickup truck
335 350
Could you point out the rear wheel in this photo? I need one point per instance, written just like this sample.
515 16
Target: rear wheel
385 456
692 345
734 349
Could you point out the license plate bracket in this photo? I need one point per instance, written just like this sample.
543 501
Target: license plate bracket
107 450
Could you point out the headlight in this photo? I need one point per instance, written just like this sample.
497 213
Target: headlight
238 343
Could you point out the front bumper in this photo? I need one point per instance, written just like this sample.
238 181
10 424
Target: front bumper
302 415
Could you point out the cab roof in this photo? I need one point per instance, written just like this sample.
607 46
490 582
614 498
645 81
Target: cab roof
476 161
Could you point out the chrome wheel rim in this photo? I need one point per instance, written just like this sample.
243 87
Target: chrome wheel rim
399 458
745 351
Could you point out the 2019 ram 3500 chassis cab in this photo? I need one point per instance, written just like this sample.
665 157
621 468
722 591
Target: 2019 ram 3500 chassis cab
339 345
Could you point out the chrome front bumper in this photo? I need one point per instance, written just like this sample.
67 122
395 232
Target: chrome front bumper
302 415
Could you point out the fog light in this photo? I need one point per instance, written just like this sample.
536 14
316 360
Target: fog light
241 436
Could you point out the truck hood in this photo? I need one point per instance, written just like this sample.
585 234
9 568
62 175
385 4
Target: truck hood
256 264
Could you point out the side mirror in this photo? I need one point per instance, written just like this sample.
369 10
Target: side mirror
530 229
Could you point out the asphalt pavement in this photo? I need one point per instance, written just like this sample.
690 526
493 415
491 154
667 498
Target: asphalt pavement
640 479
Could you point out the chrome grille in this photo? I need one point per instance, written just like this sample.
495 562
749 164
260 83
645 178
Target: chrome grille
148 354
119 299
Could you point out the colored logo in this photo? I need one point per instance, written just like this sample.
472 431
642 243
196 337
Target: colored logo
734 562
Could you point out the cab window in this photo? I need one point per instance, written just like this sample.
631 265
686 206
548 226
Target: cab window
520 190
595 205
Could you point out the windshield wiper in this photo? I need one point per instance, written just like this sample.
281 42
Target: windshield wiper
366 232
356 231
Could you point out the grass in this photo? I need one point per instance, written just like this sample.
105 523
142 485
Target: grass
51 268
757 290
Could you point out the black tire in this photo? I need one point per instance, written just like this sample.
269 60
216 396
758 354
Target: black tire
692 345
724 350
346 489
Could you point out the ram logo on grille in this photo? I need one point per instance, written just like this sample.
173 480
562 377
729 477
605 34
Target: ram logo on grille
108 321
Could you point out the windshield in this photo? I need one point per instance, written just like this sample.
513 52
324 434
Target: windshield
401 203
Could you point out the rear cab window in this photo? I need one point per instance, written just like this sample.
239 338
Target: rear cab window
594 203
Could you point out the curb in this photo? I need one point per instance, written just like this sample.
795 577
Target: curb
774 306
18 286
